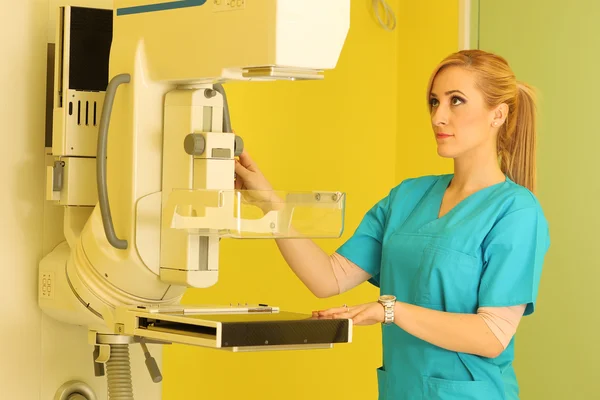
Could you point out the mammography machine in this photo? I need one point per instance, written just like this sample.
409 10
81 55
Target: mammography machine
143 164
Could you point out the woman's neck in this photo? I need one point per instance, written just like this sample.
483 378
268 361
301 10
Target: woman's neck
475 172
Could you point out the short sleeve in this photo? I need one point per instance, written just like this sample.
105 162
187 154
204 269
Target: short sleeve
364 246
513 256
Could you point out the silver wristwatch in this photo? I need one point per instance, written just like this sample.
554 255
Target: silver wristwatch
388 302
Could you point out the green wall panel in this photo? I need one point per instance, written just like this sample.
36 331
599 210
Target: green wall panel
555 46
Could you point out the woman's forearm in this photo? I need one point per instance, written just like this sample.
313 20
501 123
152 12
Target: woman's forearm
463 333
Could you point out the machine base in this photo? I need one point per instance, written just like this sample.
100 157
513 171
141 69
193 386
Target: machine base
236 328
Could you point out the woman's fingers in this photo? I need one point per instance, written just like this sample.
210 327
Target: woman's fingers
241 171
238 183
332 311
247 161
335 312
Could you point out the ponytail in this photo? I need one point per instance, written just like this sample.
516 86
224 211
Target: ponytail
517 142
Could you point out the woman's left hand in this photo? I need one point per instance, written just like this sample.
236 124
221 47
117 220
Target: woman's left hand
364 314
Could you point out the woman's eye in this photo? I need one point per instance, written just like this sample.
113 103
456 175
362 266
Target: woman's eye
434 102
457 101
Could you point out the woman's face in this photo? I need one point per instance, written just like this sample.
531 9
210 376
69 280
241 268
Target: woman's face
461 121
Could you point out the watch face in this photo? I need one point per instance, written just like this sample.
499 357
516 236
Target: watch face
387 298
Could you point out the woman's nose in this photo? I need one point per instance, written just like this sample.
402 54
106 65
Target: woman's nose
439 117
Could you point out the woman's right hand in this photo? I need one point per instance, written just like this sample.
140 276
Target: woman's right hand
256 187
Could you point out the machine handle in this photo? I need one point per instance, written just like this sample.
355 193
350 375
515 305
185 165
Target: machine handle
109 228
226 116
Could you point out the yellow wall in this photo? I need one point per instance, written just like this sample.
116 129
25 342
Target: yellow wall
427 32
353 132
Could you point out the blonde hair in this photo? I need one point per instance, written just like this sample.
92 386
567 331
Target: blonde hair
517 136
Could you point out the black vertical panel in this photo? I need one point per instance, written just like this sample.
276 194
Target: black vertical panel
49 93
91 38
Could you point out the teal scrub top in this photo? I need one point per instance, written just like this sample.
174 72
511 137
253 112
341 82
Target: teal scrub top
487 251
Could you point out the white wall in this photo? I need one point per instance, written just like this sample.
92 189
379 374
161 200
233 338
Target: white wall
37 354
22 101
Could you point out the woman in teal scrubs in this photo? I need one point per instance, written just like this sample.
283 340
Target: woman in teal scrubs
443 248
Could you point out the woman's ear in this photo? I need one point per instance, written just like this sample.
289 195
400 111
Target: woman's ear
500 115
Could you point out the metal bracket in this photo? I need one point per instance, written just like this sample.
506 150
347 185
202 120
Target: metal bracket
99 359
57 176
